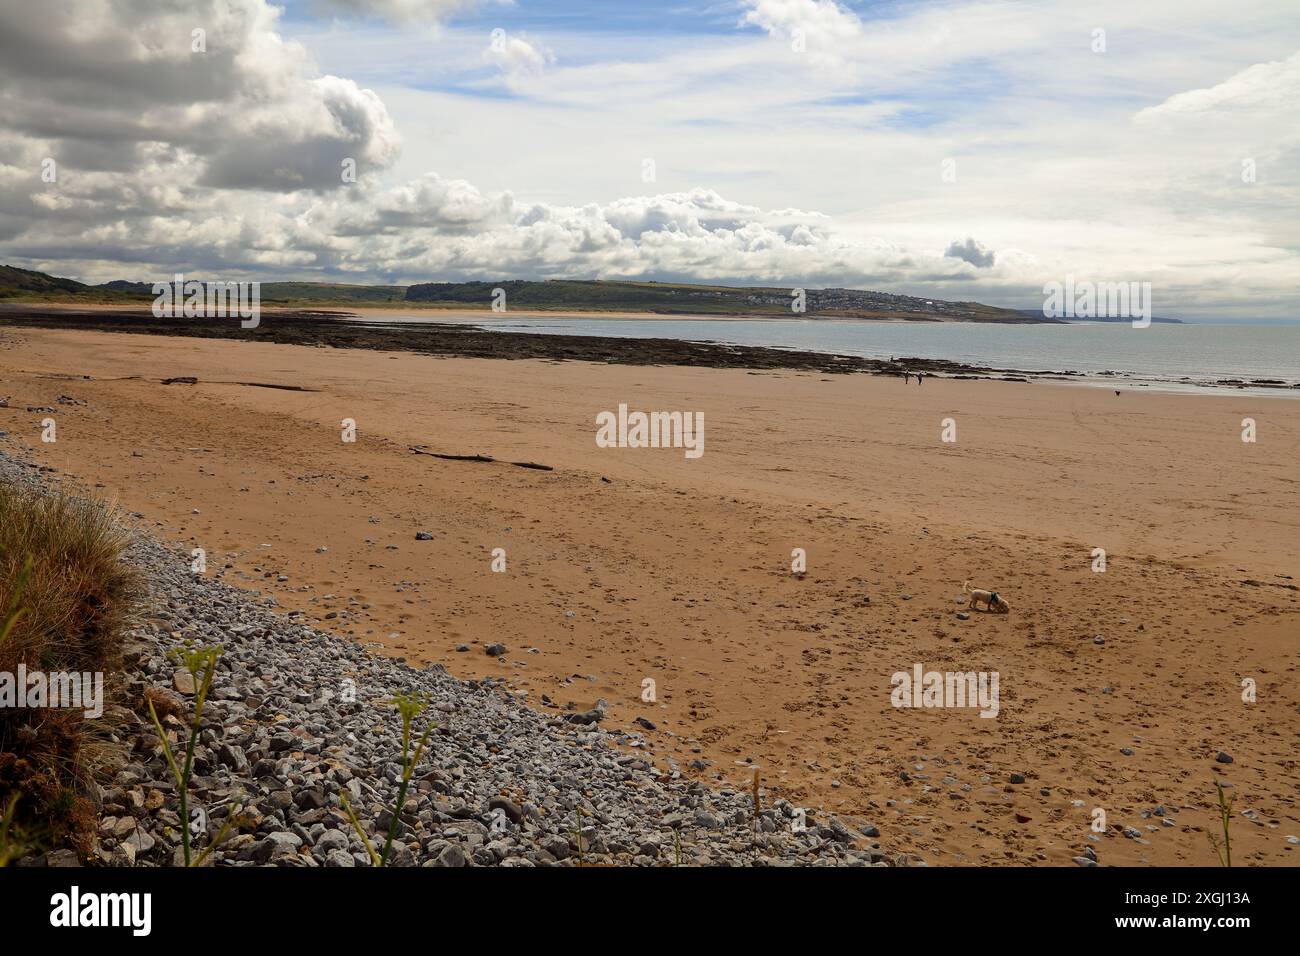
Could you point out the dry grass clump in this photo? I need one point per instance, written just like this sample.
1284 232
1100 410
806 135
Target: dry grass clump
163 703
66 598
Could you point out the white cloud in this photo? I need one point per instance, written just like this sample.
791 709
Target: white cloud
1272 88
398 11
1122 165
517 56
820 22
246 104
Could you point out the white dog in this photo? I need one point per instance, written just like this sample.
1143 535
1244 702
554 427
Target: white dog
990 599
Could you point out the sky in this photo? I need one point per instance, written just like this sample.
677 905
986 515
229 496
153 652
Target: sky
961 150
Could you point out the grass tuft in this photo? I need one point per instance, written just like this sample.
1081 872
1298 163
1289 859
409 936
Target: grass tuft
66 598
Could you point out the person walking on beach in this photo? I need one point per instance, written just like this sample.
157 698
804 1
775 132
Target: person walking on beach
919 376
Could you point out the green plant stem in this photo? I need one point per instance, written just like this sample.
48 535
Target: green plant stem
392 826
15 609
577 831
401 790
408 770
226 827
10 848
356 825
184 784
1225 815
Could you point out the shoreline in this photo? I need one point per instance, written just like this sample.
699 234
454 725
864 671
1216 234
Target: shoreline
343 330
340 329
433 311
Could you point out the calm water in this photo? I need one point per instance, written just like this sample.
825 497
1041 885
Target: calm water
1165 356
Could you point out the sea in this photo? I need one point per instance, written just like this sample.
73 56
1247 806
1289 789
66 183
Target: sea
1201 357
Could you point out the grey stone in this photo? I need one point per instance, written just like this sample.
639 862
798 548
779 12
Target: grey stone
512 812
452 856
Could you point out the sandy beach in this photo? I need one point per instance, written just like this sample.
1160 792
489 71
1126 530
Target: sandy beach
1118 689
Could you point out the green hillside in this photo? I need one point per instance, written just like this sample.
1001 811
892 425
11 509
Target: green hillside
37 286
663 298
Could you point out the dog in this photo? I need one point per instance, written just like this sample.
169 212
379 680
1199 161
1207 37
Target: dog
990 599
